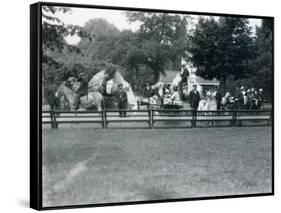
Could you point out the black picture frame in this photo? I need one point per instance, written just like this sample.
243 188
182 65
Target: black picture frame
36 201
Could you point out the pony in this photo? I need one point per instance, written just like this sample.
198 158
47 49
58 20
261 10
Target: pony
93 99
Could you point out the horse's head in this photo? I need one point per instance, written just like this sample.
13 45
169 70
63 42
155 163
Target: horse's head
68 87
75 86
64 91
61 90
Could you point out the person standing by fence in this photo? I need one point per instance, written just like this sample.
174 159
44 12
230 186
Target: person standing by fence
122 100
194 98
53 101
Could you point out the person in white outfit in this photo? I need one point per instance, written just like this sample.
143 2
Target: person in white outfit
213 101
175 96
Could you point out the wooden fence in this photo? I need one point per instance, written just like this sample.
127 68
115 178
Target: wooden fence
150 117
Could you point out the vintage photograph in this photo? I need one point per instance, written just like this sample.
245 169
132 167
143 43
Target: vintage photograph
141 106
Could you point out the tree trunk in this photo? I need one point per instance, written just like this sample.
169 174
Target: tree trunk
222 83
156 76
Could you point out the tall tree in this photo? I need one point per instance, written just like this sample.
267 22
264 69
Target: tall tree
263 64
54 32
103 35
161 38
222 48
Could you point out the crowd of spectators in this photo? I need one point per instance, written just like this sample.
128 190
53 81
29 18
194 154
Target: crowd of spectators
211 99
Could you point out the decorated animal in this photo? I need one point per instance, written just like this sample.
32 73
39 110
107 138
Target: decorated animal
107 82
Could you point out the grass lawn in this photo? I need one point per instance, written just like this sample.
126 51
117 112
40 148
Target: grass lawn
84 166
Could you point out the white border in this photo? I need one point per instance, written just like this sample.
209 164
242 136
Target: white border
14 107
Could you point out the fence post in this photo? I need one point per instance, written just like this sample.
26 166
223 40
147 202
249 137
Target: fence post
233 122
192 121
150 118
194 118
104 119
270 118
52 119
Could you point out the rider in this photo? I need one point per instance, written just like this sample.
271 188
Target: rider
183 82
83 88
108 74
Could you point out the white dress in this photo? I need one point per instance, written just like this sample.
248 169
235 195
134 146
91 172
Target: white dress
213 102
175 96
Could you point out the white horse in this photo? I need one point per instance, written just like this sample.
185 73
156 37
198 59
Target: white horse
111 81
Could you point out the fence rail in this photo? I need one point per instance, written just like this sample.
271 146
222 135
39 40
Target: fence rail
154 116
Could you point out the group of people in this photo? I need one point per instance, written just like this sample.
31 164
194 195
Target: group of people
78 83
243 99
211 99
166 95
214 100
172 96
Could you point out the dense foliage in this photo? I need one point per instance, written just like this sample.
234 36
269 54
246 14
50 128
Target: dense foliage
222 48
227 48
